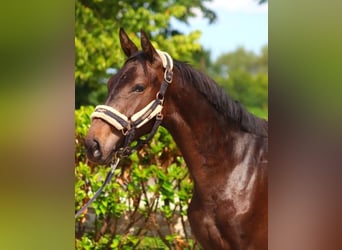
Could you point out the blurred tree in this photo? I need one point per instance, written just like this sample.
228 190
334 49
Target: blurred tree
242 60
97 47
244 75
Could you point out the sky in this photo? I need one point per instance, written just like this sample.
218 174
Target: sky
239 23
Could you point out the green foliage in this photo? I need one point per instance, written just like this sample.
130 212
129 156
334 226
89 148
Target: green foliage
139 207
97 43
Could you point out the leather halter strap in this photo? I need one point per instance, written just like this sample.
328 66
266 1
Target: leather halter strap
152 110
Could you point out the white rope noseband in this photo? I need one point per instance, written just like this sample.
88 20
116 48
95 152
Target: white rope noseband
122 122
100 112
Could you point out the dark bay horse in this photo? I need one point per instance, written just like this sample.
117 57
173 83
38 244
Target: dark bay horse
224 146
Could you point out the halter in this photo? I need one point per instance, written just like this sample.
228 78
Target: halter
128 125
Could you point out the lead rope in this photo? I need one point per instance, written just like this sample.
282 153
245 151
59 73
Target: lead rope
107 180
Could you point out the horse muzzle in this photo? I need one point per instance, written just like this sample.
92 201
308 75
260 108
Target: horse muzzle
101 142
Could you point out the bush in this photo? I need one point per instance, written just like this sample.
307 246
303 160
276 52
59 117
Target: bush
145 204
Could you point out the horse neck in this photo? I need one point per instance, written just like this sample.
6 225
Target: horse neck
209 143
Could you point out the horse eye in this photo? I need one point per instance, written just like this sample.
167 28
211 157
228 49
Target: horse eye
138 88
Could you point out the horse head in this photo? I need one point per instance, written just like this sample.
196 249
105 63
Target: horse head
134 101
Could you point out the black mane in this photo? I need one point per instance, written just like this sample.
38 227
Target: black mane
230 109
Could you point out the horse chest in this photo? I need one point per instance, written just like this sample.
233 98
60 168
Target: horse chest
216 226
221 220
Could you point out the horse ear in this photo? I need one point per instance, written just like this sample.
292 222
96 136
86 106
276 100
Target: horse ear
127 45
147 46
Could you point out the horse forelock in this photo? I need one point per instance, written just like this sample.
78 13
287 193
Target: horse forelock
222 102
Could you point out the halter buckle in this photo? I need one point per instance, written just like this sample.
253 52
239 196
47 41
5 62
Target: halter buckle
160 97
159 116
168 74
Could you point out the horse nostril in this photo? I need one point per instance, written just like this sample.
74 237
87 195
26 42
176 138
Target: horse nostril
96 149
97 153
